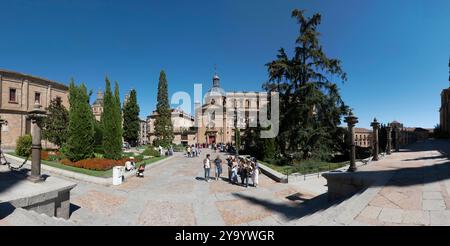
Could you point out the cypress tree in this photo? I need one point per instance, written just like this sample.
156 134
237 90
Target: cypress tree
163 121
80 144
56 123
131 121
111 124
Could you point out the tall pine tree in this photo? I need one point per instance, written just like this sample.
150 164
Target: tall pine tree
111 123
310 104
163 122
80 143
131 121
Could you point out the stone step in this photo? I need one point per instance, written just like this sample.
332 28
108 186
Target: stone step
22 217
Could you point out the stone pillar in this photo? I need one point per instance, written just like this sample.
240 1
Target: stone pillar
2 122
351 121
375 143
397 139
389 139
36 116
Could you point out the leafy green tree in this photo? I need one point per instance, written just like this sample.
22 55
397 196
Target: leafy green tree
163 121
111 123
131 121
310 104
56 124
80 143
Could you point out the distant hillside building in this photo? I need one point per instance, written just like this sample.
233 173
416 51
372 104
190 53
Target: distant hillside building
19 92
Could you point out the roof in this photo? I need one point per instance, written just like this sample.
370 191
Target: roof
362 130
58 85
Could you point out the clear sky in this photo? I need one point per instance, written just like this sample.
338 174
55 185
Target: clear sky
394 51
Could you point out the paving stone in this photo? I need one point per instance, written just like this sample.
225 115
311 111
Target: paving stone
392 215
433 205
440 218
416 217
432 195
371 212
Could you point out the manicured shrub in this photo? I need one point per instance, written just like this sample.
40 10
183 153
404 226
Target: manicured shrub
150 151
23 145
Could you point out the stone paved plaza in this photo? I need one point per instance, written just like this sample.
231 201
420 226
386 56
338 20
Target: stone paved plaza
415 192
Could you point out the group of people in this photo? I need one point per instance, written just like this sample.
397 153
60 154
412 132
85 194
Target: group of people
192 151
242 168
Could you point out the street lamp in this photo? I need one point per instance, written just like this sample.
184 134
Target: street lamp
351 121
36 115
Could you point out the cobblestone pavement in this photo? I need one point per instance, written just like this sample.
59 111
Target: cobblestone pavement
417 193
175 193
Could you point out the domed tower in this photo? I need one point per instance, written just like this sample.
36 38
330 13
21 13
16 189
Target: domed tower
214 114
215 94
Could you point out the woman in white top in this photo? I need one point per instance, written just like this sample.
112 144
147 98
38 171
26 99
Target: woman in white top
255 174
207 167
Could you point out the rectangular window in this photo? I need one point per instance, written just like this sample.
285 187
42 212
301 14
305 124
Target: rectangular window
12 95
37 97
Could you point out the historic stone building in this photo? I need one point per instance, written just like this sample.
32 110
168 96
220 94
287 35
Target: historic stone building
97 106
183 127
19 92
363 137
143 133
223 112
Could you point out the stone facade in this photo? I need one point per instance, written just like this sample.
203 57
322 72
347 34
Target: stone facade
363 137
223 112
183 127
143 133
19 94
97 106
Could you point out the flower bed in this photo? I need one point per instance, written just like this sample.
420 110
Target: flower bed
98 164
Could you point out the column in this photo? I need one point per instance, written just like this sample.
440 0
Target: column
36 116
375 144
351 121
389 139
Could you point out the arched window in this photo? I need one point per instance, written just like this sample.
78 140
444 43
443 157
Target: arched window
247 103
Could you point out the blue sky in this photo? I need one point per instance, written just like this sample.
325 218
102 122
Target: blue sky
394 52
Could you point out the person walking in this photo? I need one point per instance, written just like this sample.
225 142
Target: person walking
255 173
189 151
218 163
234 171
230 167
245 173
207 167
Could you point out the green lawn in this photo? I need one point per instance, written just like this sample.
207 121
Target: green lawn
95 173
306 167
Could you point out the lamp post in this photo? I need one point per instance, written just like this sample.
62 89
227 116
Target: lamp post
36 115
375 125
2 122
351 121
389 139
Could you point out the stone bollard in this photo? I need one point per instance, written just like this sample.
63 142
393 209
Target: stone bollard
375 125
351 121
389 139
36 115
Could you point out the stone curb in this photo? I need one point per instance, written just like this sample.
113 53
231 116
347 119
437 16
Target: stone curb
269 172
84 177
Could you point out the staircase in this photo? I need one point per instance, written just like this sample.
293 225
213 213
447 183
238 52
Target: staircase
22 217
